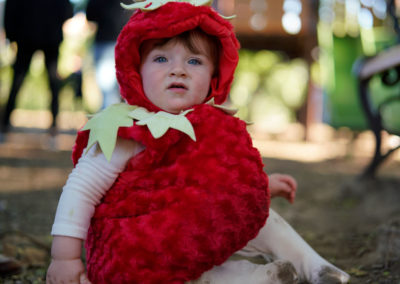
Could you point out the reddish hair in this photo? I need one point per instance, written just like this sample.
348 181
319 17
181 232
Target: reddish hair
195 41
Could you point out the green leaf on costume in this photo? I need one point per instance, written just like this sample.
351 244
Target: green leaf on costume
104 126
159 123
150 5
227 110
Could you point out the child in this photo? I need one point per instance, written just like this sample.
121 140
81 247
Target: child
170 197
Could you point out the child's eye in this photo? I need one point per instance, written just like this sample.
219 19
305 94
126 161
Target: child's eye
194 61
160 59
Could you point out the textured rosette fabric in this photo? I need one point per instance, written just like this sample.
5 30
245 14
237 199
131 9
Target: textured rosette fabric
180 207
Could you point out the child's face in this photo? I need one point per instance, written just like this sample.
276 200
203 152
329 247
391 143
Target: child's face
174 78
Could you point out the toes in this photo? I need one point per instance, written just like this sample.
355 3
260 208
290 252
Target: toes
331 275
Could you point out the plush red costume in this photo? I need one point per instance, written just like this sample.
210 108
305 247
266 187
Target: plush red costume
180 206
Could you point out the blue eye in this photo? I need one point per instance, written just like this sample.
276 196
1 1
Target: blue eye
194 61
160 59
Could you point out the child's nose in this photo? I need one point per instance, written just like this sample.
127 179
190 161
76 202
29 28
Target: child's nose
178 70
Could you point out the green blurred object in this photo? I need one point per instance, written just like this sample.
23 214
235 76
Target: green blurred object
269 89
391 108
361 78
345 108
338 56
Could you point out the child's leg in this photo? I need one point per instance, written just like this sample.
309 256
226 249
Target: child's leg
279 239
243 271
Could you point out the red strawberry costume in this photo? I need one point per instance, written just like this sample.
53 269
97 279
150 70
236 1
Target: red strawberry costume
180 206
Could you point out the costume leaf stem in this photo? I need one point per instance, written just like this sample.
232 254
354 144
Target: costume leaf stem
150 5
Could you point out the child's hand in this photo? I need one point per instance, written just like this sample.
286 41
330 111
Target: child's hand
283 185
66 271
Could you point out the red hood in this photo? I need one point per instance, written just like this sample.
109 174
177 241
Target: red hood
167 21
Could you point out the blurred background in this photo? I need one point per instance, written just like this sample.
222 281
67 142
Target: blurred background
295 78
298 80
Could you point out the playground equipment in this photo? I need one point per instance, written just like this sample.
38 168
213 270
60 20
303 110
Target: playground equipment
385 64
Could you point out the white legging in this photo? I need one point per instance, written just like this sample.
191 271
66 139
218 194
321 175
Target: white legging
277 239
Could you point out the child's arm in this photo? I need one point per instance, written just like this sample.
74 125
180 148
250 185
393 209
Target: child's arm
86 185
283 185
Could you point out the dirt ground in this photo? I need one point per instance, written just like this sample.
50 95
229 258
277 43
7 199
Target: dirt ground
355 224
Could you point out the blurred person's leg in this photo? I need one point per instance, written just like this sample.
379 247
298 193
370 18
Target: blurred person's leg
20 67
105 73
51 61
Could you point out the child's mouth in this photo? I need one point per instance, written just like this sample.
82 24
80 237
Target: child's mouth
177 87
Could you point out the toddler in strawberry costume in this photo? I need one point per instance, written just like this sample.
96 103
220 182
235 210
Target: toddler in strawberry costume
167 186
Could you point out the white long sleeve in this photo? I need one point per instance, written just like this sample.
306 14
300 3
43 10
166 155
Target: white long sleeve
86 185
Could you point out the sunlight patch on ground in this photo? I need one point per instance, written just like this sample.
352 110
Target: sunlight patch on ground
323 143
300 151
34 178
66 120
